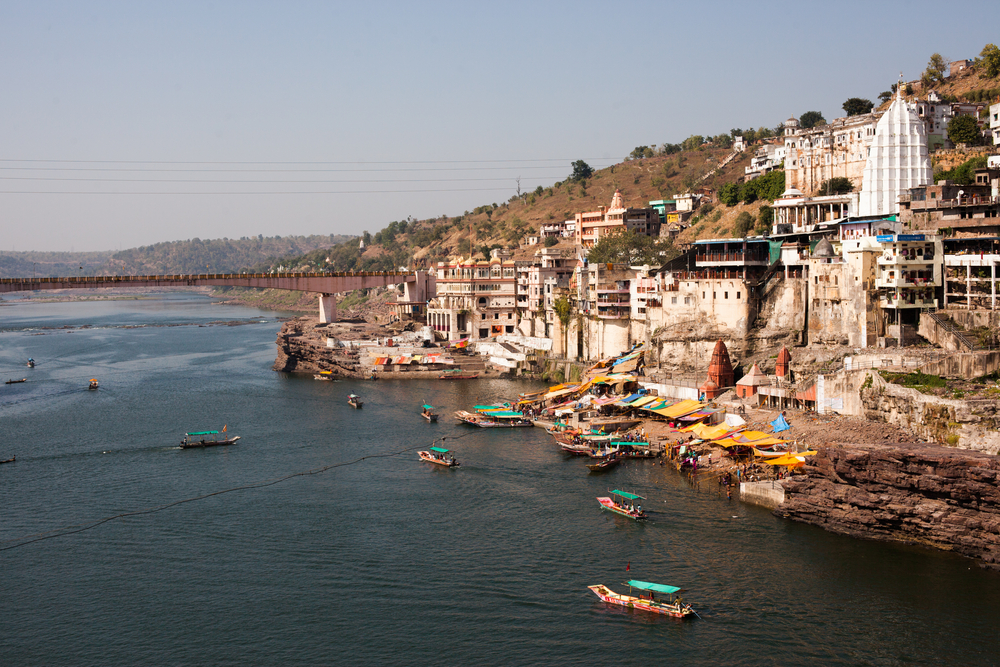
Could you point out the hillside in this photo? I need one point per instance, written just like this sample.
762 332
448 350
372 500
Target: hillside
174 257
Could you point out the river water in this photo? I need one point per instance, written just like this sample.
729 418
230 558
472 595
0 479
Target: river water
388 560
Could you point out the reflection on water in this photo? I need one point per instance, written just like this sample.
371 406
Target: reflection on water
391 560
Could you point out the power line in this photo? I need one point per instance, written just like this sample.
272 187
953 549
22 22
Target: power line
39 161
250 192
212 180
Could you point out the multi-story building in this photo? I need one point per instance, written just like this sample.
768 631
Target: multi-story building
817 154
540 281
591 226
971 272
475 299
964 209
795 213
995 123
766 158
909 275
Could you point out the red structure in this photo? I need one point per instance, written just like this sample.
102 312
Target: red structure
781 365
709 390
720 370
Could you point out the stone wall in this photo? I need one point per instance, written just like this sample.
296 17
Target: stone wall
920 494
765 494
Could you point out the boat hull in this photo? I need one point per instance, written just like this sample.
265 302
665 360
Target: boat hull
610 505
208 443
357 405
447 463
430 418
606 464
677 610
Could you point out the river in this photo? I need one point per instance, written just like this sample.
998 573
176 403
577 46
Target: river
385 559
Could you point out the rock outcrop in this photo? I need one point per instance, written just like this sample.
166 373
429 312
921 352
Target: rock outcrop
922 494
302 348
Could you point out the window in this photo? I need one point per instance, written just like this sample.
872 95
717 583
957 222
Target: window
737 296
726 295
673 300
496 316
482 316
687 301
702 296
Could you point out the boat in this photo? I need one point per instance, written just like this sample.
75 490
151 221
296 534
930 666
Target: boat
93 384
10 460
672 606
605 463
622 502
31 363
355 401
428 413
502 419
16 381
201 439
457 374
576 449
440 456
323 375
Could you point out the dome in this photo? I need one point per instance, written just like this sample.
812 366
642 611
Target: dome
823 249
792 192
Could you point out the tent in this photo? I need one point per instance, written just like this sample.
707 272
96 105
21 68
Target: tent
780 424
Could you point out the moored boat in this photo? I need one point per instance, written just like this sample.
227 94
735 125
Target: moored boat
323 375
605 463
201 439
16 381
428 413
672 606
457 374
440 456
355 401
498 419
623 503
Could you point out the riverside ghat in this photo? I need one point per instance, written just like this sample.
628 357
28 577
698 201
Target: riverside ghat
740 440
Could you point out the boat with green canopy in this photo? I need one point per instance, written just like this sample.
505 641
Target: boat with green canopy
428 413
624 503
646 599
208 439
440 456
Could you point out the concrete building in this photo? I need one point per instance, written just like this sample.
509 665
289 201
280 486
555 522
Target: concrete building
591 226
909 275
795 213
898 160
995 123
818 154
971 268
963 209
766 158
474 299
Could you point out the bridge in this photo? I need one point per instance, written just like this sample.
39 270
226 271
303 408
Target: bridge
418 286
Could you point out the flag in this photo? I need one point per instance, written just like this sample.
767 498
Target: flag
628 566
225 427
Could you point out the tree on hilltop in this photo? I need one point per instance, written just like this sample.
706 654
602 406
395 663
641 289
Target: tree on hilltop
811 119
855 106
989 58
964 130
627 246
937 68
581 171
837 185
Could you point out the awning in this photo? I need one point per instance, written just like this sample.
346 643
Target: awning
203 433
505 415
626 494
428 407
678 409
646 586
645 400
439 449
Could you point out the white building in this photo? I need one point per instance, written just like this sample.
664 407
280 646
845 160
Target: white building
766 158
897 161
995 123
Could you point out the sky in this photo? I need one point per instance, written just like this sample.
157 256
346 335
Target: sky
129 123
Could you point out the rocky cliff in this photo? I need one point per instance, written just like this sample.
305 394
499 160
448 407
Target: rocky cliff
915 493
302 348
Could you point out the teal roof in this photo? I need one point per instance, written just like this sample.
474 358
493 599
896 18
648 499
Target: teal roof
505 414
203 433
428 407
439 449
659 588
615 443
625 494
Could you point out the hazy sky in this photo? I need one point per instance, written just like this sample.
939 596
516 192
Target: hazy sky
128 123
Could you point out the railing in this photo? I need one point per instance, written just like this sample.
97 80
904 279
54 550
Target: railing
943 322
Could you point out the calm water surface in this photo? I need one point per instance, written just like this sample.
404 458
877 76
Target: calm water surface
390 560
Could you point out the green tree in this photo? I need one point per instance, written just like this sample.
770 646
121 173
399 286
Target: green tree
765 218
836 186
693 142
989 57
729 194
936 70
581 172
855 106
811 119
626 246
964 130
640 152
550 241
744 221
884 96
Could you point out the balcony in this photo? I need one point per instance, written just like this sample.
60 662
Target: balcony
613 312
905 282
905 302
901 260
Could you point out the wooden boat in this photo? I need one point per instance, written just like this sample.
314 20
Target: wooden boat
16 381
502 419
605 463
10 460
622 502
31 363
457 374
93 384
323 375
200 439
355 401
672 606
438 455
428 413
576 449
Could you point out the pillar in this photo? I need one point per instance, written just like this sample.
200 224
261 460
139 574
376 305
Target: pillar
993 285
327 308
453 324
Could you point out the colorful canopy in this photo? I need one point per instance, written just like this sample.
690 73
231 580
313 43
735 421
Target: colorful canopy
678 409
507 414
203 433
626 494
428 407
441 450
646 586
